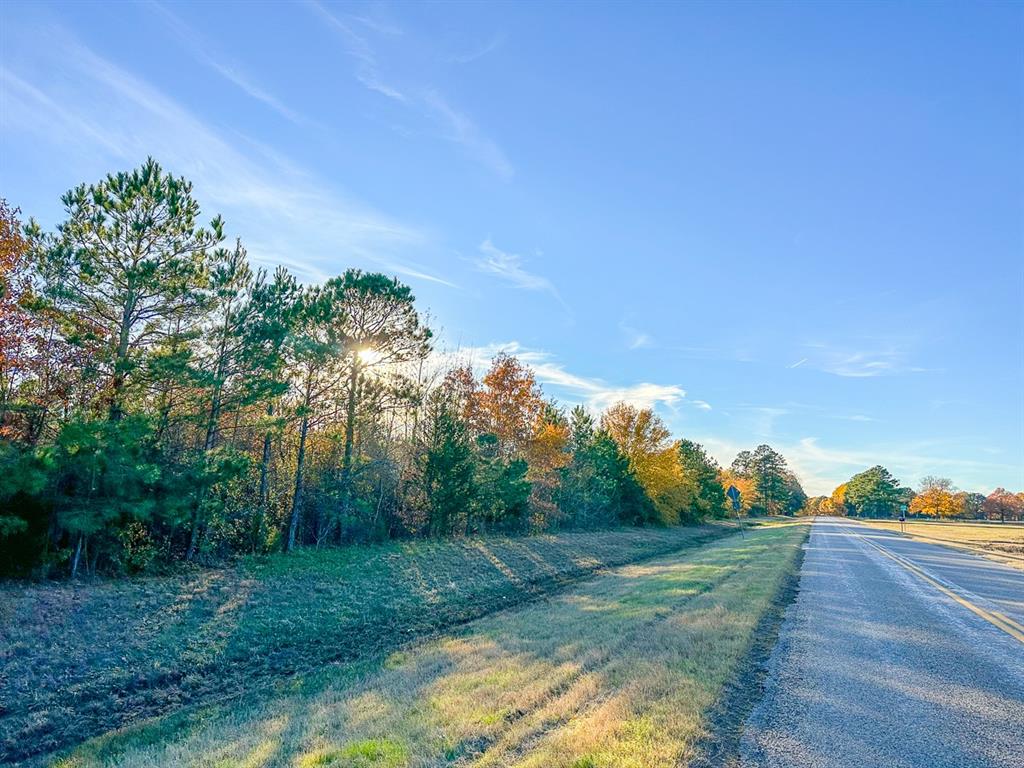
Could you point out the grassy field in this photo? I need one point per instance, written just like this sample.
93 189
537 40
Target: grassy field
1001 541
621 670
77 660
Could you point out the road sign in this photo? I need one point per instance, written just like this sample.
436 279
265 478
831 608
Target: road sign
734 496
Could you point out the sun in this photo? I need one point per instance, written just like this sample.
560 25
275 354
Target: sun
369 355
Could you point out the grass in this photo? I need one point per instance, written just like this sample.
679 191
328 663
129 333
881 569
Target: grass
1000 541
622 670
78 660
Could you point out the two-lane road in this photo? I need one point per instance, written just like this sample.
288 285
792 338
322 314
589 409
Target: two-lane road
896 653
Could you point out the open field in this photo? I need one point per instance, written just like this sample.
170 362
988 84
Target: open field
624 669
81 659
1002 541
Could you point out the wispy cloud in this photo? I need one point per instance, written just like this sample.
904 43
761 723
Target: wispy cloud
636 339
798 363
460 129
358 48
596 394
870 358
201 50
90 109
477 53
451 123
702 405
509 267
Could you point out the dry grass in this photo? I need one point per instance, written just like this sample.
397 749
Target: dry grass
1001 541
621 671
77 660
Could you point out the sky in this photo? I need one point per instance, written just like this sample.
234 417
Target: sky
798 224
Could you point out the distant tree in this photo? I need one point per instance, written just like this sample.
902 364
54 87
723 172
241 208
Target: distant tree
872 493
508 405
643 438
503 490
936 498
597 488
700 474
816 505
743 465
771 480
547 453
1003 505
449 468
131 262
796 497
971 504
837 501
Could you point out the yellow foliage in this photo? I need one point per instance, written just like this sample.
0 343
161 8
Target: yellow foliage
837 502
642 437
936 502
547 452
744 485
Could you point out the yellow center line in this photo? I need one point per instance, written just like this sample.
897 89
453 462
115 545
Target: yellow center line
1008 620
1008 625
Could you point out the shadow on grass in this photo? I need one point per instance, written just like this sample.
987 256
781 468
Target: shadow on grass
618 671
82 659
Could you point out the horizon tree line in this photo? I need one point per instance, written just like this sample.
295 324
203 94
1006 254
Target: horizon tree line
876 493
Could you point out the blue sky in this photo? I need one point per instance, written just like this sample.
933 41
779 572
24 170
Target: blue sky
798 224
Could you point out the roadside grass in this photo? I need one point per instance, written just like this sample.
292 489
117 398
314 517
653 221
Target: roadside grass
1000 541
622 670
77 660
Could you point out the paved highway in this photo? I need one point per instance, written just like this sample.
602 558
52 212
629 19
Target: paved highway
896 654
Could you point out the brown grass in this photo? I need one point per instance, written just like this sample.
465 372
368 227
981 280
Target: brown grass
1000 541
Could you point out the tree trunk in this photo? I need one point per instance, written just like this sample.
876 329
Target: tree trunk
264 502
350 430
78 555
193 541
120 360
297 497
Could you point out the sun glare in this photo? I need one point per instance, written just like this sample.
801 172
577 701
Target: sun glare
369 355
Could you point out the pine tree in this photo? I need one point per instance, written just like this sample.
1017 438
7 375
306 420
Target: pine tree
131 260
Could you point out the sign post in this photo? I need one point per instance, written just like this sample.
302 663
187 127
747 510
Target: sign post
903 518
734 496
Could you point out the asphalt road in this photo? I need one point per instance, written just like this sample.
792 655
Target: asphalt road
895 653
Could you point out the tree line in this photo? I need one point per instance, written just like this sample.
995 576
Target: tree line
876 493
162 401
